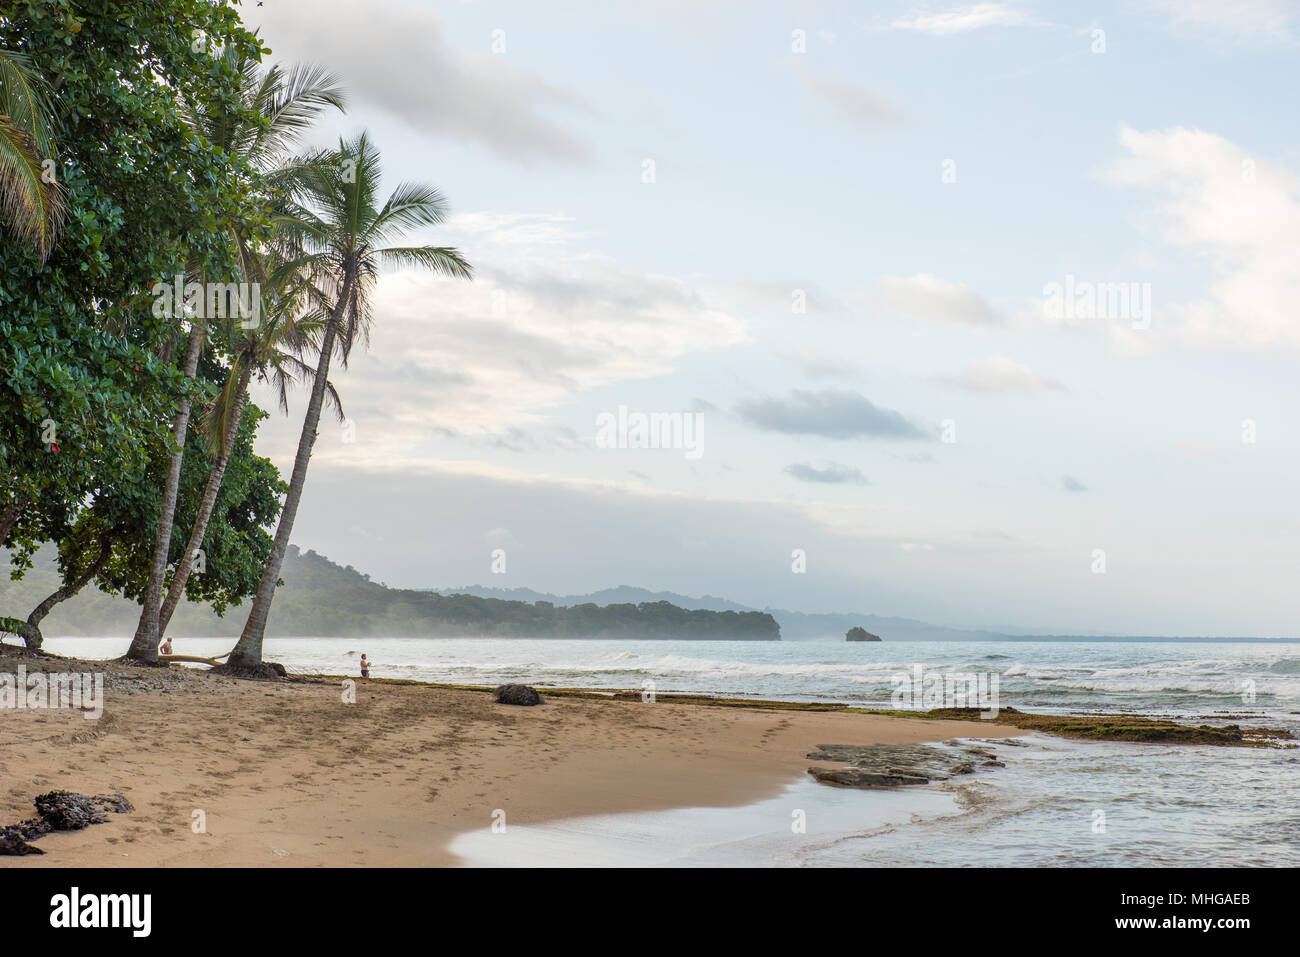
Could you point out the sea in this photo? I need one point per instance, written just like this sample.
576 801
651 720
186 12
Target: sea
1056 802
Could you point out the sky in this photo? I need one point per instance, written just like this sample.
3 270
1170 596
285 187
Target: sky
981 313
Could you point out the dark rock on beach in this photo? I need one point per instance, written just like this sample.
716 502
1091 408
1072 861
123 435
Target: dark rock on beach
59 811
11 845
895 765
516 694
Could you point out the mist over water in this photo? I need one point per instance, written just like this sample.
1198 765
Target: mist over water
1056 801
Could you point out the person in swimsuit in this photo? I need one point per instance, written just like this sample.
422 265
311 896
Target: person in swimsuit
166 648
365 667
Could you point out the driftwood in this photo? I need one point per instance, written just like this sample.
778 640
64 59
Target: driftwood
198 660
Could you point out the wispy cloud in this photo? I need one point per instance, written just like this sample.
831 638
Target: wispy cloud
1072 484
1001 374
963 19
832 413
1240 20
854 105
832 473
925 296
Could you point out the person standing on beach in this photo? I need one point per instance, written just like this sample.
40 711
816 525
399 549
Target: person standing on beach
365 667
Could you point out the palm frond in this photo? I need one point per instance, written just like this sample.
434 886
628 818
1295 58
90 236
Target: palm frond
443 260
32 208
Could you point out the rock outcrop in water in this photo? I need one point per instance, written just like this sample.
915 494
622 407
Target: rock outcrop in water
896 765
858 633
59 811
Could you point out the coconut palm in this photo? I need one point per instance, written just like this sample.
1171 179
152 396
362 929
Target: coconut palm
348 233
270 351
32 202
273 109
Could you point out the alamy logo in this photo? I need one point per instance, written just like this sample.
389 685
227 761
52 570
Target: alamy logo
209 300
1099 300
79 690
921 690
651 430
74 910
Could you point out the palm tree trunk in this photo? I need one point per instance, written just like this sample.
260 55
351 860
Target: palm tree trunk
248 650
210 491
32 631
144 646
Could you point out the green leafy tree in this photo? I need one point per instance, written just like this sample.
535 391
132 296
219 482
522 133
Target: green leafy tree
85 365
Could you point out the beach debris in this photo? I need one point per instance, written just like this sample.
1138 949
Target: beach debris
11 845
59 811
516 694
896 765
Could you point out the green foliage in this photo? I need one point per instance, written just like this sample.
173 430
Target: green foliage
237 541
321 598
87 382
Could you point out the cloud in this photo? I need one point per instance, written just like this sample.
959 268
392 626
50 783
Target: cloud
1241 20
1072 484
925 296
396 57
831 413
851 103
964 19
831 474
495 228
1001 374
1240 216
484 360
796 297
815 366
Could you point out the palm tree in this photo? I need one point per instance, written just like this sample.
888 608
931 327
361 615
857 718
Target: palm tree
144 645
274 109
31 202
347 232
271 352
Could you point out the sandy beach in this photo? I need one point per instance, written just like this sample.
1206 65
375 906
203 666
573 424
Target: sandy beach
289 774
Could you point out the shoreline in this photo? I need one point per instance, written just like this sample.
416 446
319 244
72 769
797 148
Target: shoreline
285 773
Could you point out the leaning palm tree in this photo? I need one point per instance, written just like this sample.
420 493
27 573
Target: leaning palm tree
270 351
272 111
348 234
32 202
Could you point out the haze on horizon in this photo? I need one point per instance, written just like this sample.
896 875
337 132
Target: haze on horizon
842 237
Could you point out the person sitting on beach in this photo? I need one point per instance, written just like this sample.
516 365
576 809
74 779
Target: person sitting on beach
365 667
166 648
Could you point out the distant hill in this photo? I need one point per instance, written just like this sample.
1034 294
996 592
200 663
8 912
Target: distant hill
794 625
321 598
